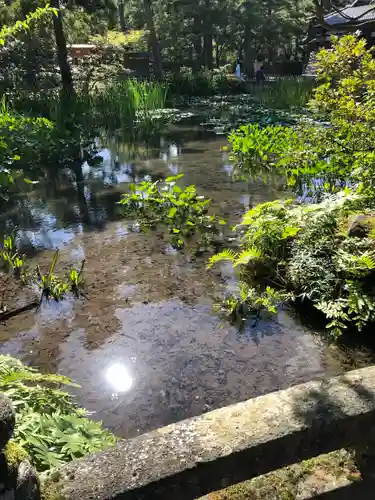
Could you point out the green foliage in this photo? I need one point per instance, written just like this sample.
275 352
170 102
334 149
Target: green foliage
202 83
313 155
10 31
249 300
11 259
76 280
133 40
182 210
285 93
127 103
51 285
50 427
303 252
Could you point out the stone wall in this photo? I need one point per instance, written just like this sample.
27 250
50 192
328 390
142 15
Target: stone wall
18 479
186 460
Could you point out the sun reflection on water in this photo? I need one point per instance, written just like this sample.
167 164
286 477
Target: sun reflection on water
118 377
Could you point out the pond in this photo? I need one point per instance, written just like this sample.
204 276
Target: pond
145 345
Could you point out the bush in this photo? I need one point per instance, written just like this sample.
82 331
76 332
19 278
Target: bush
204 83
296 252
311 252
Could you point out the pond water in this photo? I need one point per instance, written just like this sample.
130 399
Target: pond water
145 346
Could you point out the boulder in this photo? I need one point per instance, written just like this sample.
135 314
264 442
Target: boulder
19 479
7 420
361 225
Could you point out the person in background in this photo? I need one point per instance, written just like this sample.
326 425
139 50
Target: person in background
258 63
260 76
238 69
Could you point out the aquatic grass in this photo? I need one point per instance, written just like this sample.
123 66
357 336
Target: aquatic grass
50 285
283 93
11 259
76 280
128 103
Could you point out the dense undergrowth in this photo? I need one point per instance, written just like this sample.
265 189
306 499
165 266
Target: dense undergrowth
50 426
323 253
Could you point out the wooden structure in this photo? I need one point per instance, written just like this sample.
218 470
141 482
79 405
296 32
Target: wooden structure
138 63
79 50
359 17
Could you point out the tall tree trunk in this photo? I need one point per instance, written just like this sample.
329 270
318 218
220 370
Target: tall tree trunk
62 53
208 37
208 50
197 42
121 13
217 52
154 42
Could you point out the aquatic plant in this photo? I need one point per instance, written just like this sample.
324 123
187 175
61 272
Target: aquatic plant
12 260
182 210
127 103
50 427
285 92
50 284
76 280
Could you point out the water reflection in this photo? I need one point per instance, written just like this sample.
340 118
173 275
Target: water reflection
118 378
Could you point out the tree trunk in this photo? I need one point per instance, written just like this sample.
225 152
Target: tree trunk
154 42
121 13
217 52
208 50
62 53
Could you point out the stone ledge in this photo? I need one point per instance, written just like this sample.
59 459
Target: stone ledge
191 458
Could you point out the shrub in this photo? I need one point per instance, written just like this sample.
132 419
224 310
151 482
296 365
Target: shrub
296 252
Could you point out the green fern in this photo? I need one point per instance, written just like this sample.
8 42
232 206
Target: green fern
358 265
246 256
225 255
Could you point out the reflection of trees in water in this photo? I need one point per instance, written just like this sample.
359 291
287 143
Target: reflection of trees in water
70 197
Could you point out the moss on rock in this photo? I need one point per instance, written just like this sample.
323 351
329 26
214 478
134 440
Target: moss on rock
14 454
51 490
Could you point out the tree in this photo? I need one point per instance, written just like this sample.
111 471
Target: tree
154 42
62 53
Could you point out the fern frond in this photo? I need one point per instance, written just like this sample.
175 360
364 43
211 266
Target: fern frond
225 255
356 264
25 376
246 256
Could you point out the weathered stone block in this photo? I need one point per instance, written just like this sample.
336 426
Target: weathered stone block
188 459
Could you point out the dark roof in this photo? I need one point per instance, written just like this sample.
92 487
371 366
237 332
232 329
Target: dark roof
357 14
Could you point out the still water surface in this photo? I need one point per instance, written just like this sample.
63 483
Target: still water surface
146 347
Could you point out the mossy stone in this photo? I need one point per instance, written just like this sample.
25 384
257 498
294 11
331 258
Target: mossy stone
361 225
7 420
